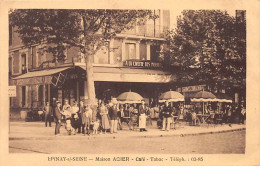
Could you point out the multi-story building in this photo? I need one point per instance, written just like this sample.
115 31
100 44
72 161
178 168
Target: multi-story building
130 61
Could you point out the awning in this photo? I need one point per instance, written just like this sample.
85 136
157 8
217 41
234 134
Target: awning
114 74
38 77
105 74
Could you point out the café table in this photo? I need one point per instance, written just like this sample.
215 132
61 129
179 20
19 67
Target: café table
203 118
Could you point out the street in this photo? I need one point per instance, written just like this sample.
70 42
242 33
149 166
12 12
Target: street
217 143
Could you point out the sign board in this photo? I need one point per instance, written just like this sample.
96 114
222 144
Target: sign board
12 91
142 63
193 88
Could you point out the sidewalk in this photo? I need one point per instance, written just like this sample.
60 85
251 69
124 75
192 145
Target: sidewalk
20 130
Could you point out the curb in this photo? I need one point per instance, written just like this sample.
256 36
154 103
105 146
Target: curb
67 137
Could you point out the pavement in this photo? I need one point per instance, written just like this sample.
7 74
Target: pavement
20 130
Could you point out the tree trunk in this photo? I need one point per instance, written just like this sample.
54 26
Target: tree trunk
90 92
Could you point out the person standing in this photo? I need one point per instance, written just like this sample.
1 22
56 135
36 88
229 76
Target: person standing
76 120
142 116
57 118
242 114
113 118
87 119
48 114
167 115
81 111
104 117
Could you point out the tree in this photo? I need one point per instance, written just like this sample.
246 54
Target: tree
86 29
210 48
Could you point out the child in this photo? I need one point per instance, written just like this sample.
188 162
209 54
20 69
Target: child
68 126
96 126
86 119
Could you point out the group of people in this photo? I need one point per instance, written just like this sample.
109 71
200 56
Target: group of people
226 113
82 118
109 116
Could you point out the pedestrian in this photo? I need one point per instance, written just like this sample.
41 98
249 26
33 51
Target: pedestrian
66 105
228 115
104 117
87 119
167 116
120 115
48 112
242 114
57 118
96 126
113 118
76 121
67 113
142 116
81 111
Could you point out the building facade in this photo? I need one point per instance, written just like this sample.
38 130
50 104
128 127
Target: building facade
130 61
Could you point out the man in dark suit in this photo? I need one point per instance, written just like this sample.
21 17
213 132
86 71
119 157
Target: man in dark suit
142 116
57 118
48 114
113 118
167 116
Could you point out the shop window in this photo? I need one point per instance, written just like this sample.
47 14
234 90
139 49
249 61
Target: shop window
155 52
23 96
40 95
130 51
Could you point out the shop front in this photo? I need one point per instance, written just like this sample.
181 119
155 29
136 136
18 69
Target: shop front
68 82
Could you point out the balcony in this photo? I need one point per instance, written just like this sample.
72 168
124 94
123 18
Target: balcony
148 30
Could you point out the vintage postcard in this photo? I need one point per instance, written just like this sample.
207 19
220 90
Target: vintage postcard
123 83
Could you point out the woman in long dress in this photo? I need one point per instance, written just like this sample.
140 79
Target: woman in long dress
104 117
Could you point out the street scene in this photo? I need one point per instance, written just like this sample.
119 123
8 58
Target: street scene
127 81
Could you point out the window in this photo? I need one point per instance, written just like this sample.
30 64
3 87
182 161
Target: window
24 68
155 52
130 51
40 95
102 55
10 35
23 96
10 66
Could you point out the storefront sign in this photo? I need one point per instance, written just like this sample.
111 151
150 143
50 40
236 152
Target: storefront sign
193 88
12 91
140 63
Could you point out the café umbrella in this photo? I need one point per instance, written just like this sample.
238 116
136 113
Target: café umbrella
171 96
129 97
224 98
204 96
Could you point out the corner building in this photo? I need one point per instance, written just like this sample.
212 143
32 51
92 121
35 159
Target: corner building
130 61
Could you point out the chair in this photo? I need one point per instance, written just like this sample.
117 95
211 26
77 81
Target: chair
211 119
219 119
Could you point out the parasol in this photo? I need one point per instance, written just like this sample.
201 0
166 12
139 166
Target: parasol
204 96
129 97
224 98
171 96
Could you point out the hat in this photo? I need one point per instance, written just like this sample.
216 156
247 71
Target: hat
57 102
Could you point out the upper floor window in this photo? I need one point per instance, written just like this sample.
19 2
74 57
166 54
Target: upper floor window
155 52
130 51
24 68
10 35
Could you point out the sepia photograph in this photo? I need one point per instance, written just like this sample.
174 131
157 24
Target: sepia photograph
125 81
129 84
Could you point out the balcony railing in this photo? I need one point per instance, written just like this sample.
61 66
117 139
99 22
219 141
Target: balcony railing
148 30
